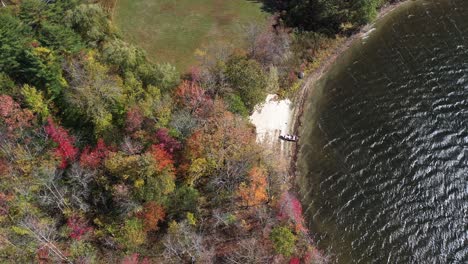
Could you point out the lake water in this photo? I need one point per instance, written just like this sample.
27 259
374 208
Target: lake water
384 149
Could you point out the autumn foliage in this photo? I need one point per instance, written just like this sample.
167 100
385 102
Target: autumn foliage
295 261
167 142
255 192
65 149
106 157
162 157
193 97
78 227
194 145
42 255
152 214
135 259
134 120
290 209
3 167
4 206
12 115
195 73
92 158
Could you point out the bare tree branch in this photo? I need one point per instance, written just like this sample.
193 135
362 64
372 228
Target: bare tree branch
44 234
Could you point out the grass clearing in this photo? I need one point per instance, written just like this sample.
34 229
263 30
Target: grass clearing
172 30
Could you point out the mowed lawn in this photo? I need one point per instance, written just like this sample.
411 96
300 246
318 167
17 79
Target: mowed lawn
172 30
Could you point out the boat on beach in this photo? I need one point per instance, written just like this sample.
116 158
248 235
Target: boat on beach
288 137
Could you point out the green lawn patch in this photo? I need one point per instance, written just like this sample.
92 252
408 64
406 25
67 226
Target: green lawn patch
172 30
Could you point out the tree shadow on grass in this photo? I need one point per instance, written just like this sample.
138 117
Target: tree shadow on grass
270 6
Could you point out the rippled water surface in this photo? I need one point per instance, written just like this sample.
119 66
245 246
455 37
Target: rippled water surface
384 150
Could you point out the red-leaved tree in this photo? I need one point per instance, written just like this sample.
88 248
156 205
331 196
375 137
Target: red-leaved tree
92 158
134 120
78 227
167 142
42 255
195 73
290 208
295 261
65 149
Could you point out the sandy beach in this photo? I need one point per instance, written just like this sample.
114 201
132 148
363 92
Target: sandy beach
272 118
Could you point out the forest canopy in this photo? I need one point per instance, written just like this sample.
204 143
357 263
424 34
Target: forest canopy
326 16
106 157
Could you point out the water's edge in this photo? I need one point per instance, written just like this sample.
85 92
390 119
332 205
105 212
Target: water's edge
308 96
382 160
303 97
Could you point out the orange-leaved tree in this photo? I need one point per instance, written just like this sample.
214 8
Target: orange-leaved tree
152 214
254 192
163 158
194 98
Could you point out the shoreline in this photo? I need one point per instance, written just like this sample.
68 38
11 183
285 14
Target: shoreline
311 80
300 98
276 116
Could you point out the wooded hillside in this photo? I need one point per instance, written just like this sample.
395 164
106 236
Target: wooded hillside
106 157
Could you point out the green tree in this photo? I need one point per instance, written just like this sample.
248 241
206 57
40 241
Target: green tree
132 234
236 105
315 15
33 12
90 21
95 94
167 77
14 40
60 38
123 55
284 241
7 85
364 11
183 200
41 68
247 78
83 252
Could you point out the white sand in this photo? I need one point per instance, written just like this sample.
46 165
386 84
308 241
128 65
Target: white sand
272 118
